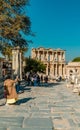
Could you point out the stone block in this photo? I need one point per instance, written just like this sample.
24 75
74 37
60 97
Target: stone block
11 121
38 122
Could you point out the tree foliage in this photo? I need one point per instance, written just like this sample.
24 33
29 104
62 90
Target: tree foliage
14 23
77 59
33 65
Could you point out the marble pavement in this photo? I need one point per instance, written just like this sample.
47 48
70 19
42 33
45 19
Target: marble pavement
53 107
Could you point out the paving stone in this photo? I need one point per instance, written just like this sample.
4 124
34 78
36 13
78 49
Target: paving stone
38 122
60 123
40 115
11 121
71 122
3 128
67 115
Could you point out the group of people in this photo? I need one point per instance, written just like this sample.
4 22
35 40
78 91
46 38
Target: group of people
11 90
34 79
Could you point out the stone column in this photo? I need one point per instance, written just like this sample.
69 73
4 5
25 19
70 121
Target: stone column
53 56
46 56
60 56
38 55
47 69
14 60
56 70
43 57
53 70
60 69
56 56
64 70
17 62
63 56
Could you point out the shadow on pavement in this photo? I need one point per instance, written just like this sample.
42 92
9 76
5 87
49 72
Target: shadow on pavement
24 100
27 89
50 84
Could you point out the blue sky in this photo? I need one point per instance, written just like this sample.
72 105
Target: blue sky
56 24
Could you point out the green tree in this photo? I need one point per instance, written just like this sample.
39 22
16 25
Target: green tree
77 59
33 65
7 50
13 24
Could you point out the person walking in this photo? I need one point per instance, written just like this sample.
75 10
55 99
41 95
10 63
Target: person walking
18 87
10 91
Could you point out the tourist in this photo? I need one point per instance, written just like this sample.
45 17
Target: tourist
35 79
38 80
18 87
46 79
10 90
41 78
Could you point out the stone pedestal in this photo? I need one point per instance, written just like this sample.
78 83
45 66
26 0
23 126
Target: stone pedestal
76 88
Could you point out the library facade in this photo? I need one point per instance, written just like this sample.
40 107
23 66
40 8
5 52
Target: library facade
54 59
